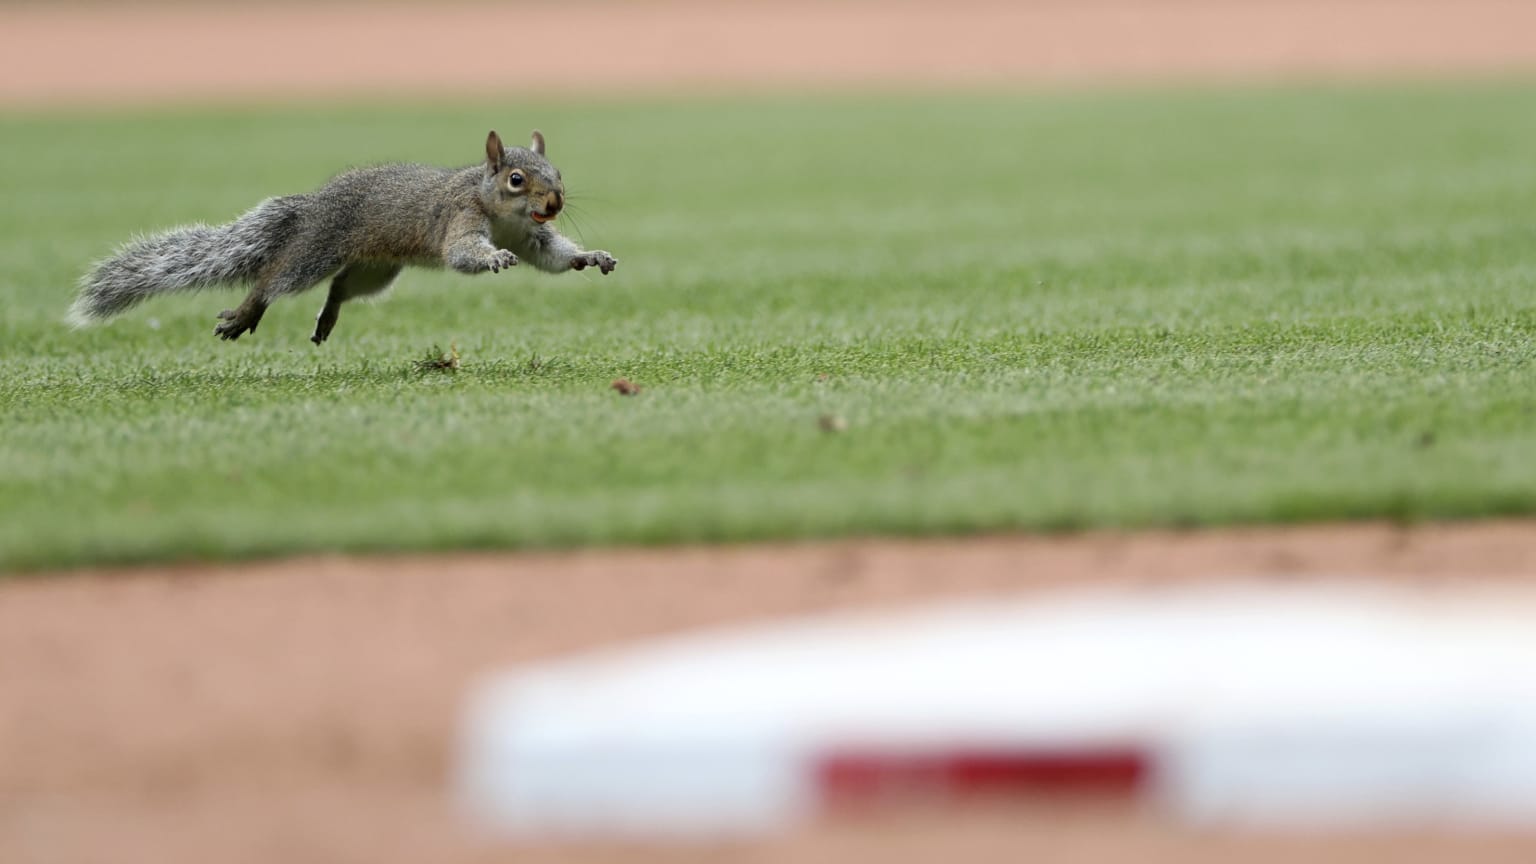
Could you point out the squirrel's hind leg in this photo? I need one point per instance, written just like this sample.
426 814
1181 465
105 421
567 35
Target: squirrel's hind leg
242 318
289 273
355 280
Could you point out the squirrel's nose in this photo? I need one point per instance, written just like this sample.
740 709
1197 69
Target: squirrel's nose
553 204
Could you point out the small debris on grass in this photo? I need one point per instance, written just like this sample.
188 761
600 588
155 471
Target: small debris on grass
832 423
625 387
439 359
1425 439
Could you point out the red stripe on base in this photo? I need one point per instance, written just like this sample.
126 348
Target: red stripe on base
850 777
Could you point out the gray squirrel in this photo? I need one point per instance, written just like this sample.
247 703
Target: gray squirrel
360 229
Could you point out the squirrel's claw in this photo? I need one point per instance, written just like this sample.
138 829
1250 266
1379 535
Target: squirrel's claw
601 260
502 258
239 321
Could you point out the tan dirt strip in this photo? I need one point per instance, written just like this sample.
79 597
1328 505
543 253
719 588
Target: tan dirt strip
134 53
169 710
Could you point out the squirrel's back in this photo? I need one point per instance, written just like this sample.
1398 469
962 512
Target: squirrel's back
397 212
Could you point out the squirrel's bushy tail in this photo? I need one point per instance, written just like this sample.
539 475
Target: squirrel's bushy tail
185 259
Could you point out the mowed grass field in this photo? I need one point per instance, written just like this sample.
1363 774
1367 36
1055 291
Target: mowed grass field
1032 311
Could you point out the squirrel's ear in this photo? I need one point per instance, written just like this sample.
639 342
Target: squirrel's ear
538 142
494 152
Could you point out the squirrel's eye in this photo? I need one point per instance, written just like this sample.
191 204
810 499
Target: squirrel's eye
515 180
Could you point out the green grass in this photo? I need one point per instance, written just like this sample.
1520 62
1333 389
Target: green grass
1035 312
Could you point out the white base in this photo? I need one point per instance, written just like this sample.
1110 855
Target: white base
1296 707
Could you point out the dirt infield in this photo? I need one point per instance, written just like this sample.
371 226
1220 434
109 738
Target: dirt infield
307 707
132 52
303 710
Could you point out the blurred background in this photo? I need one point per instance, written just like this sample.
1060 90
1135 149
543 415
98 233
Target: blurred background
133 52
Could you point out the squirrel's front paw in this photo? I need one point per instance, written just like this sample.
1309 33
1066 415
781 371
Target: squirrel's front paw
601 260
501 258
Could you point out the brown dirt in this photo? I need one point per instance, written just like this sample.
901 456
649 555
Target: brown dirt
131 52
303 710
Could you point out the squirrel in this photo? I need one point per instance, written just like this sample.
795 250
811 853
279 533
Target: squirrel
360 230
